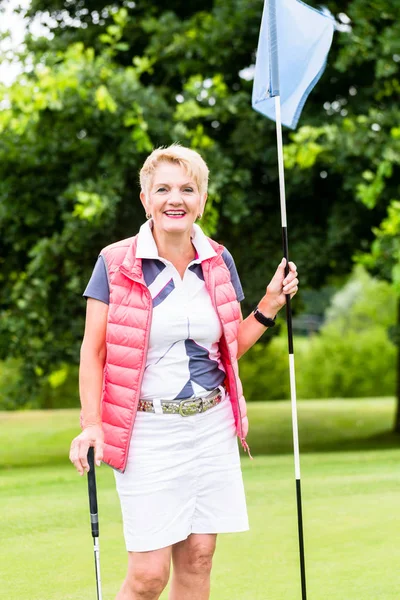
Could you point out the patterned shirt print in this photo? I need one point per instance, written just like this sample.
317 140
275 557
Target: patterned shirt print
183 358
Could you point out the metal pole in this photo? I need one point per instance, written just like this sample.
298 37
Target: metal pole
290 345
94 518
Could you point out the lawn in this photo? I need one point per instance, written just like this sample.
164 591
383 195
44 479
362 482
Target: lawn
350 499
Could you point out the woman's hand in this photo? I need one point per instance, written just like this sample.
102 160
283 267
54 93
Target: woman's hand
279 287
91 436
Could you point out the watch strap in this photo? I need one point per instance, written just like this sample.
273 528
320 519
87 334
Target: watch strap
266 321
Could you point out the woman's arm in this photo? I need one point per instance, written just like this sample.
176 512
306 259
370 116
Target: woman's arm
250 330
92 359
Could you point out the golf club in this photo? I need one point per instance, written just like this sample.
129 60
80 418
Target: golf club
94 518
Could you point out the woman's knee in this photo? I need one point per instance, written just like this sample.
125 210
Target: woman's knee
148 578
198 558
200 561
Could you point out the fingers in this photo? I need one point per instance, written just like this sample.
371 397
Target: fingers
282 283
292 286
280 271
275 285
98 452
74 456
291 281
83 452
78 455
292 273
92 435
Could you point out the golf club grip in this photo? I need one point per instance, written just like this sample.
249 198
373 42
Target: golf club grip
92 494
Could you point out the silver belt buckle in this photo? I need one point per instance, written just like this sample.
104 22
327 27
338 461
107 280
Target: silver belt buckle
190 407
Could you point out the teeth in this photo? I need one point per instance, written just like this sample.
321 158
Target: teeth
175 212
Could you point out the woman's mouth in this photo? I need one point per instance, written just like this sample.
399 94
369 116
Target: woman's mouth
175 214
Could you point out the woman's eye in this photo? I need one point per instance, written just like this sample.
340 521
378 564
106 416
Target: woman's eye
189 189
161 189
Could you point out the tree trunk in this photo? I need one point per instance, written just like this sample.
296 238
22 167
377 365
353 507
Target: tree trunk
397 339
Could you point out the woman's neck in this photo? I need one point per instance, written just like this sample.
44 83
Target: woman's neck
174 247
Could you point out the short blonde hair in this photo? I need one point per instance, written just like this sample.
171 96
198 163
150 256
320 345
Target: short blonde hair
190 160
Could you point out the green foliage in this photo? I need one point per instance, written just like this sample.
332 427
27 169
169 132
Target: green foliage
59 389
360 149
93 101
362 303
71 145
332 364
264 371
10 384
351 356
347 364
384 255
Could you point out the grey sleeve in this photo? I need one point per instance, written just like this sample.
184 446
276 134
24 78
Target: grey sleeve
230 263
98 287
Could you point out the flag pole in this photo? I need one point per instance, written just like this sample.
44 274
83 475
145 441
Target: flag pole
305 36
293 395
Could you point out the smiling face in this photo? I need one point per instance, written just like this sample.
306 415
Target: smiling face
173 199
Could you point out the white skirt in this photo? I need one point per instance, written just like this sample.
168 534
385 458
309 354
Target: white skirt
183 476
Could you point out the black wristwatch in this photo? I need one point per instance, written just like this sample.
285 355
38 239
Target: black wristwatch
266 321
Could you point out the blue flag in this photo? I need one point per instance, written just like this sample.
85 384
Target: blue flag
297 38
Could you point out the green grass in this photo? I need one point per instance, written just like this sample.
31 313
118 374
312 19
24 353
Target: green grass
350 501
31 438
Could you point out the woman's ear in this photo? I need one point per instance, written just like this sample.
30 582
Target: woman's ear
203 202
144 201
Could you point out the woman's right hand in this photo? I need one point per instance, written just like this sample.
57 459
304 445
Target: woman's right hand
91 436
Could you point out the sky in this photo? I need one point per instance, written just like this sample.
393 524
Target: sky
15 23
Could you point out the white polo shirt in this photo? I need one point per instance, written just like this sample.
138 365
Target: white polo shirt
183 358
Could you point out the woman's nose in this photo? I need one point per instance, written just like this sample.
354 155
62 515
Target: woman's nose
175 197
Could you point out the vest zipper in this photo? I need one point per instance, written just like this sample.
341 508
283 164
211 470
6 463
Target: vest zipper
242 438
127 274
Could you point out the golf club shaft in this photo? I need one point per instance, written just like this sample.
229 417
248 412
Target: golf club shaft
97 568
94 518
291 349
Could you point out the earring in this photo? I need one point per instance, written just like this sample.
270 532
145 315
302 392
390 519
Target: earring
148 216
199 215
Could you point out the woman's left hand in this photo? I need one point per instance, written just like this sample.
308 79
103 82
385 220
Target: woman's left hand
280 286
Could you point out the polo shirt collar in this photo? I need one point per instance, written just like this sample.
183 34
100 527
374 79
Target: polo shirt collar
201 243
147 247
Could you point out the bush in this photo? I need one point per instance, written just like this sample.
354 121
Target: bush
347 365
10 383
351 356
61 388
58 390
264 371
330 364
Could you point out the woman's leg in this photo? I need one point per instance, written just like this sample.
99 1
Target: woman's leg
148 574
192 560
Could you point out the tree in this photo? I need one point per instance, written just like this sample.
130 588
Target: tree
201 52
360 150
72 140
76 128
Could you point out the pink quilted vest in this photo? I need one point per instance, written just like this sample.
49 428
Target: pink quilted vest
128 330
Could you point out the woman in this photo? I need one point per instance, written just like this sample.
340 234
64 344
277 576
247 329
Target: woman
159 385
